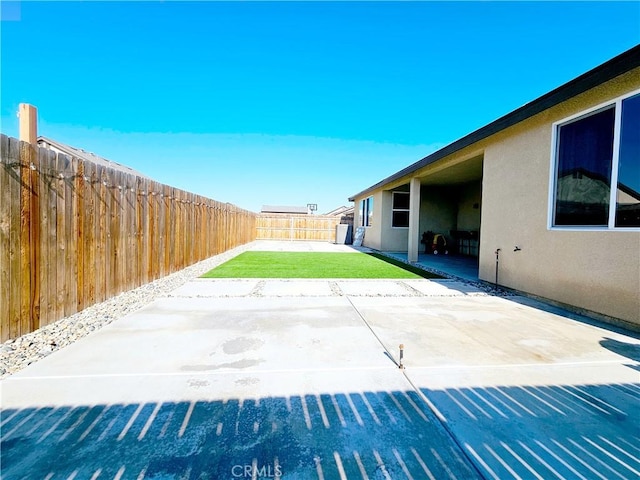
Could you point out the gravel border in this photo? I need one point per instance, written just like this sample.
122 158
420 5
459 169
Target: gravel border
18 353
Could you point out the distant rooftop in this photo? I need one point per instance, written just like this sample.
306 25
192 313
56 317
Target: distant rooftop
284 209
84 155
344 210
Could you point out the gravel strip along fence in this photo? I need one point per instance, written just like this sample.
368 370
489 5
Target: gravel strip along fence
17 353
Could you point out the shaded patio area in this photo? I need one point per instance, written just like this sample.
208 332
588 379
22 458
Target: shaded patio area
458 265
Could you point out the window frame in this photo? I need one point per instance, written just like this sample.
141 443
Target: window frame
366 212
616 103
393 194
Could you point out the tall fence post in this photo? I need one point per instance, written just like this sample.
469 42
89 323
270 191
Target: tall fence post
28 123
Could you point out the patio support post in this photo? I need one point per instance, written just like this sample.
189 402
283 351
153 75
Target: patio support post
414 220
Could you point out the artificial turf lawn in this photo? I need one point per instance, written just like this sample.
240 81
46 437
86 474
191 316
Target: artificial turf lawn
315 265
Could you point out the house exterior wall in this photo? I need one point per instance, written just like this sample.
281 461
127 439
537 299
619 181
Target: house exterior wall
594 270
438 210
393 239
469 204
381 236
372 234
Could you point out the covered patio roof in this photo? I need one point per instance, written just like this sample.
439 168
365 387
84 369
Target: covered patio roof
619 65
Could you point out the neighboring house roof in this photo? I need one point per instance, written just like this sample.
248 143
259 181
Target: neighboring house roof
84 155
589 187
283 209
619 65
340 211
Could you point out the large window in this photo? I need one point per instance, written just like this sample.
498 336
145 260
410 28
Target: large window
594 152
366 212
400 209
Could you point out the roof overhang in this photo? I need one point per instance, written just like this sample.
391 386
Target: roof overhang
609 70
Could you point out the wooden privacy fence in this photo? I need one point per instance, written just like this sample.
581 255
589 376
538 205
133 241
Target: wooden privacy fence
74 233
296 227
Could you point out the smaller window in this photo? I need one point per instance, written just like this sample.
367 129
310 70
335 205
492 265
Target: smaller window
400 210
366 212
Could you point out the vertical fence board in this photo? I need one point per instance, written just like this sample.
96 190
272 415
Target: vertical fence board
187 228
146 236
132 276
200 224
54 312
26 151
171 252
138 249
152 230
79 206
71 207
132 272
218 226
157 239
15 276
101 235
89 235
43 217
159 234
110 255
178 230
166 247
6 181
163 234
126 232
122 234
61 237
35 239
188 223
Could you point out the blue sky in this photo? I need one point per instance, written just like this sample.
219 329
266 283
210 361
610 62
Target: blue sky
289 102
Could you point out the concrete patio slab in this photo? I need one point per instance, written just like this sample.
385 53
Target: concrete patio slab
216 288
484 330
296 288
527 392
444 288
202 387
457 265
373 288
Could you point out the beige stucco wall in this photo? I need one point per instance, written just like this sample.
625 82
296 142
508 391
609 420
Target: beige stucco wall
438 210
469 203
381 235
594 270
372 234
393 239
